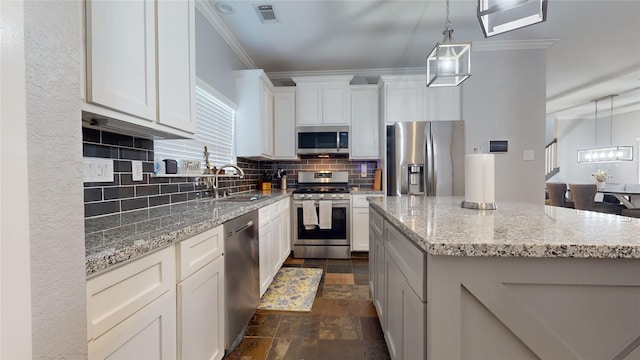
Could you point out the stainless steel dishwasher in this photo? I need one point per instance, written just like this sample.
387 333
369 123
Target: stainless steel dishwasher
242 275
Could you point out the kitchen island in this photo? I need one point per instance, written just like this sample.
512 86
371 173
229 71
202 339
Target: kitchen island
523 281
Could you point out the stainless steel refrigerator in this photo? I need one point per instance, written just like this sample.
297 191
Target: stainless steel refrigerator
425 158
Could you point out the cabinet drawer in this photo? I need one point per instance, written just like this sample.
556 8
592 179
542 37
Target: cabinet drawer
376 221
411 260
269 212
197 251
285 205
117 294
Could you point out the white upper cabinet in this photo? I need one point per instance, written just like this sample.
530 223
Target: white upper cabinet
284 123
322 100
121 59
364 122
140 65
176 64
407 98
254 117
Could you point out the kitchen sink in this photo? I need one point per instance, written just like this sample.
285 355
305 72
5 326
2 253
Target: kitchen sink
241 198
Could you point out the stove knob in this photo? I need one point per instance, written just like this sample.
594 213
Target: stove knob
320 196
333 196
341 196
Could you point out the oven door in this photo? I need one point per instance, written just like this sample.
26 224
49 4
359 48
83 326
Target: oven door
337 235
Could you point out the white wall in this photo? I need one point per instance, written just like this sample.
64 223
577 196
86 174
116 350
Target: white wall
15 276
574 135
215 59
505 99
52 57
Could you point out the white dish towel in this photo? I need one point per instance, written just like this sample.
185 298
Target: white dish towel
325 214
309 215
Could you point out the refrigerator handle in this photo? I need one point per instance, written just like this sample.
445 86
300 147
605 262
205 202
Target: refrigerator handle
428 166
433 165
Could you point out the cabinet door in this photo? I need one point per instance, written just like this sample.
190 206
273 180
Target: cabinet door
394 300
149 333
285 238
201 312
176 64
275 250
360 229
266 240
441 103
405 321
364 124
309 104
284 125
266 101
335 104
379 296
403 102
121 58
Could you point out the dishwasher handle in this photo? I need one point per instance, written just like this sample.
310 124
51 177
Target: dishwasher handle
244 227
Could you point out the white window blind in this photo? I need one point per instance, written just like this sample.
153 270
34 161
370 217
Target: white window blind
215 128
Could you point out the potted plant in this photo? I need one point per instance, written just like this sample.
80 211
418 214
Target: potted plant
601 177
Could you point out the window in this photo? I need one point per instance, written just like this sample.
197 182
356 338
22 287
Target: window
215 128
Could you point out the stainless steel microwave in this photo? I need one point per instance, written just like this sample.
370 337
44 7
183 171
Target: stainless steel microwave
316 140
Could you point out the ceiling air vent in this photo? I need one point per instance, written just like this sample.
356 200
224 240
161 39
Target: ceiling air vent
266 13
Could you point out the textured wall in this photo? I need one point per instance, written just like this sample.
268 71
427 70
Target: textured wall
53 68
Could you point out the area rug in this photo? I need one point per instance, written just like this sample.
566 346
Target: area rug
292 289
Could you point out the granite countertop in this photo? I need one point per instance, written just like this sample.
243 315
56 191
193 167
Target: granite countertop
366 191
439 226
113 240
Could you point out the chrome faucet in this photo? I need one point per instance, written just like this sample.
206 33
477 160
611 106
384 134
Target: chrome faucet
215 177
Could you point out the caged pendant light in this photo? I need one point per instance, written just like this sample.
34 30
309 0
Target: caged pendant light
605 154
449 63
499 16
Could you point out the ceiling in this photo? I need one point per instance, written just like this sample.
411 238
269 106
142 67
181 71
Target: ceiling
593 47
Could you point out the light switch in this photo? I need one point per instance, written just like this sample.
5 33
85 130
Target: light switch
528 155
97 170
363 170
136 169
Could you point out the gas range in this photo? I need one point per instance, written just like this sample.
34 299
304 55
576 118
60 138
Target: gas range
319 185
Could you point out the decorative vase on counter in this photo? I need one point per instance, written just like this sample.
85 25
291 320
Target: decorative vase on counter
600 185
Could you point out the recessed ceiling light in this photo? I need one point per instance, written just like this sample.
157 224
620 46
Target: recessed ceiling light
224 7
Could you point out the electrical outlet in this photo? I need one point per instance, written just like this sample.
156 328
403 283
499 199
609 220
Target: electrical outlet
363 170
136 169
97 170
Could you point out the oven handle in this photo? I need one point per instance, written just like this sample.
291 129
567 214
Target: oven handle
335 203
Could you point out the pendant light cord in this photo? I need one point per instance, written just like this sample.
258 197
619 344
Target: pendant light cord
611 123
595 125
447 24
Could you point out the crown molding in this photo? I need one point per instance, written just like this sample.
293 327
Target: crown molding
355 72
210 14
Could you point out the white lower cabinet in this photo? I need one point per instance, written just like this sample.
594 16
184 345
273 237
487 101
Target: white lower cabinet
149 333
131 310
275 234
404 328
360 222
137 311
396 291
201 313
201 296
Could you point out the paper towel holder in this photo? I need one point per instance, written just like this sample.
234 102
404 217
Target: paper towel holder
477 205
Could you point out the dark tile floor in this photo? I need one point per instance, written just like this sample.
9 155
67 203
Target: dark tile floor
342 324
